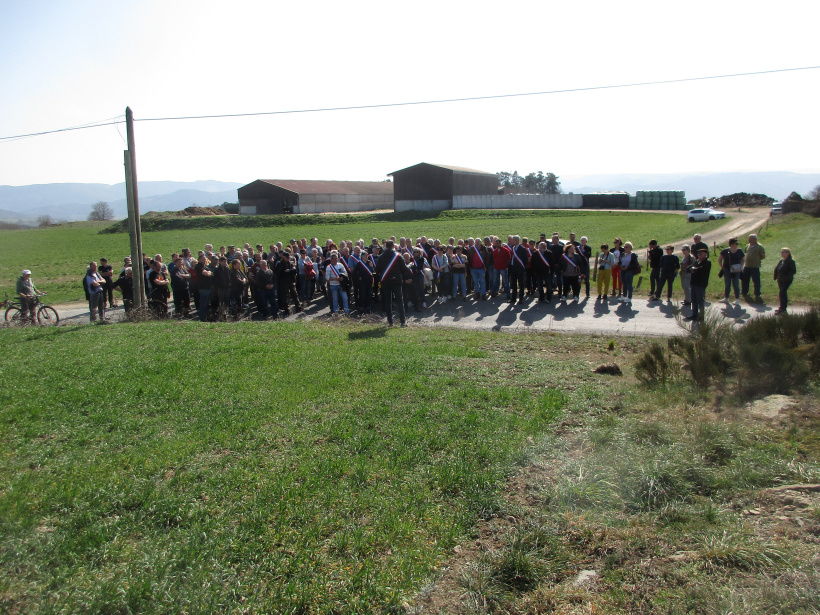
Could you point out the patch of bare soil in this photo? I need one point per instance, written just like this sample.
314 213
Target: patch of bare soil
790 511
447 593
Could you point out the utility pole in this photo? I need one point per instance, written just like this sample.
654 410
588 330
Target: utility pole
134 230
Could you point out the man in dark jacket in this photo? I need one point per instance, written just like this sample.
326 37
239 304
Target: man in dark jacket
542 272
653 259
285 271
698 283
518 270
392 272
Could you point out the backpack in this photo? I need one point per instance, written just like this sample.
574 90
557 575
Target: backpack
85 288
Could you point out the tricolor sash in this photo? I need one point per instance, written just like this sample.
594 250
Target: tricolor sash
390 266
516 257
570 261
365 267
478 254
338 276
541 254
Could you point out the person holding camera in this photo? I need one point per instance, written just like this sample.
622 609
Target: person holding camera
700 271
606 263
337 279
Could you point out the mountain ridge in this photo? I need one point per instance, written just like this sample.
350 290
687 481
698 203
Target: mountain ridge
73 201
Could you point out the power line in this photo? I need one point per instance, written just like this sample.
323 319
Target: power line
449 100
97 124
412 103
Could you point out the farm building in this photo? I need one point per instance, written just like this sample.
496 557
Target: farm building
433 187
305 196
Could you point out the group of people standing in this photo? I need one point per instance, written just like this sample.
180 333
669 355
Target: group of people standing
231 281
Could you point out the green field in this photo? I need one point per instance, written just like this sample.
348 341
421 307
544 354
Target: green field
801 234
307 468
58 256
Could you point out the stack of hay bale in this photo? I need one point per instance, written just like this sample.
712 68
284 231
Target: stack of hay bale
659 199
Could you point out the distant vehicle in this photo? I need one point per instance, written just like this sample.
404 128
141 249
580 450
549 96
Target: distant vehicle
701 215
777 208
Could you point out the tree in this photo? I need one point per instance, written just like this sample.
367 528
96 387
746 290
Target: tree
44 221
814 194
552 185
101 211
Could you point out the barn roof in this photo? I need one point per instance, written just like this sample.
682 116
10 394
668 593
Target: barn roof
448 167
314 186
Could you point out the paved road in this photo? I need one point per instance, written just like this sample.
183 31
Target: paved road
610 318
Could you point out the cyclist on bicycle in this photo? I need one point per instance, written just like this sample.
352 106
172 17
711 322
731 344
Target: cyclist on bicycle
28 294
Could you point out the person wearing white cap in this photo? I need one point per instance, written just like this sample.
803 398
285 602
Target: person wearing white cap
27 293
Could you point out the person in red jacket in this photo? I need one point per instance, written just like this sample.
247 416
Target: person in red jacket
501 261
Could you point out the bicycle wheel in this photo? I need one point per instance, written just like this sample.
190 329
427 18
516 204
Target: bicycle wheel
47 315
14 317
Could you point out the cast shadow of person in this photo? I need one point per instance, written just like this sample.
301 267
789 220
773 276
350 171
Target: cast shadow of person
626 312
571 309
601 308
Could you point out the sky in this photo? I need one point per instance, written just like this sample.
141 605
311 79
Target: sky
72 62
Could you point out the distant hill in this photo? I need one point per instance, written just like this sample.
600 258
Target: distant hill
73 201
777 184
25 204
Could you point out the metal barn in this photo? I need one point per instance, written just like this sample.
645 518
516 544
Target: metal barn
432 187
304 196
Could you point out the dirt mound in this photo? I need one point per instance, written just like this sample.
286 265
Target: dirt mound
202 211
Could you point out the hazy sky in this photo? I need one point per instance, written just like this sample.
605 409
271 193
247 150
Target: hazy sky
69 62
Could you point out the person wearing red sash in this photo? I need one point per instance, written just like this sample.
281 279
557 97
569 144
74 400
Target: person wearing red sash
458 265
336 274
362 278
477 257
542 272
391 271
571 272
501 262
518 270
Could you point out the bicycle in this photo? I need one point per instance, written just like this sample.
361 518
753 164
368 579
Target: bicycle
46 315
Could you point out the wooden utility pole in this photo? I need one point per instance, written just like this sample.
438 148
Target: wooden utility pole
134 229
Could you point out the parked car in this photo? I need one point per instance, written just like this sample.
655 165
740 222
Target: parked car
701 215
777 208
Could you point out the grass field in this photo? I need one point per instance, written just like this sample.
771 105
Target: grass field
292 468
801 234
58 256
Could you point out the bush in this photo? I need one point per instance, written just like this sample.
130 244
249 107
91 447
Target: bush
653 366
768 355
708 349
770 369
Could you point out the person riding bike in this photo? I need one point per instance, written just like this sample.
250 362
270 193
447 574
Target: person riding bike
28 294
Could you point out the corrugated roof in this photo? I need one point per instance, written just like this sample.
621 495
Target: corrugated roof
314 186
448 167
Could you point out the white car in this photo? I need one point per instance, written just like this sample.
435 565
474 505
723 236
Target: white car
701 215
777 208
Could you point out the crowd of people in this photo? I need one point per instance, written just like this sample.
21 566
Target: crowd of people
403 274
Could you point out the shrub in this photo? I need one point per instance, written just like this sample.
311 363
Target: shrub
708 350
653 366
769 369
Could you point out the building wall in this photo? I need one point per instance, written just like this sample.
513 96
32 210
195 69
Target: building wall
472 183
423 182
518 201
423 205
342 203
264 199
